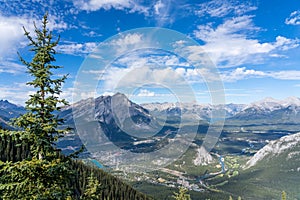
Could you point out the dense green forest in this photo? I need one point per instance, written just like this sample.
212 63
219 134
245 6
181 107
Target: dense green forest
110 187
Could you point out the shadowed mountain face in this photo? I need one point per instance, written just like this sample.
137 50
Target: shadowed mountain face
123 122
106 109
4 124
9 111
116 110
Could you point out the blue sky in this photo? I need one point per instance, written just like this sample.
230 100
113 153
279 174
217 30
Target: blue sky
254 46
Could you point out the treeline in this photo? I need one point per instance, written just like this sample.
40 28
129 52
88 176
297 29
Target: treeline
111 187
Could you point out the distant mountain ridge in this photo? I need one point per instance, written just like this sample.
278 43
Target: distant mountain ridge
8 111
202 111
268 110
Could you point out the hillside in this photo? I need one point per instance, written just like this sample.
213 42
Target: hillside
256 146
272 169
113 188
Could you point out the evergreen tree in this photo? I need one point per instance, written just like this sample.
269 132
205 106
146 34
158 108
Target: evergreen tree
182 195
40 124
93 189
283 195
45 175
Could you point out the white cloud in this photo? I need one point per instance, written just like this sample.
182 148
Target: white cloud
128 39
17 93
145 57
222 8
11 34
135 77
158 7
94 5
12 39
95 72
123 44
11 67
145 93
231 44
77 49
164 11
284 44
294 18
286 75
243 73
56 23
92 34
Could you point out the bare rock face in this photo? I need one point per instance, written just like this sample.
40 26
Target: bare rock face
276 148
203 157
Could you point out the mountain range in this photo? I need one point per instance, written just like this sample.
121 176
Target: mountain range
118 111
287 109
127 124
268 110
118 116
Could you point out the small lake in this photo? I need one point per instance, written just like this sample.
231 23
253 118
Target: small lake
97 163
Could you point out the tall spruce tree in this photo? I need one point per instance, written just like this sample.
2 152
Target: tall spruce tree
283 195
93 190
45 175
182 194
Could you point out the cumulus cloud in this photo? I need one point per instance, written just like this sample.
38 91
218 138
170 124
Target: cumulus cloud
145 93
240 74
16 93
222 8
77 49
158 7
164 11
124 43
244 73
128 39
136 77
230 44
294 18
12 39
286 75
11 34
94 5
11 67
